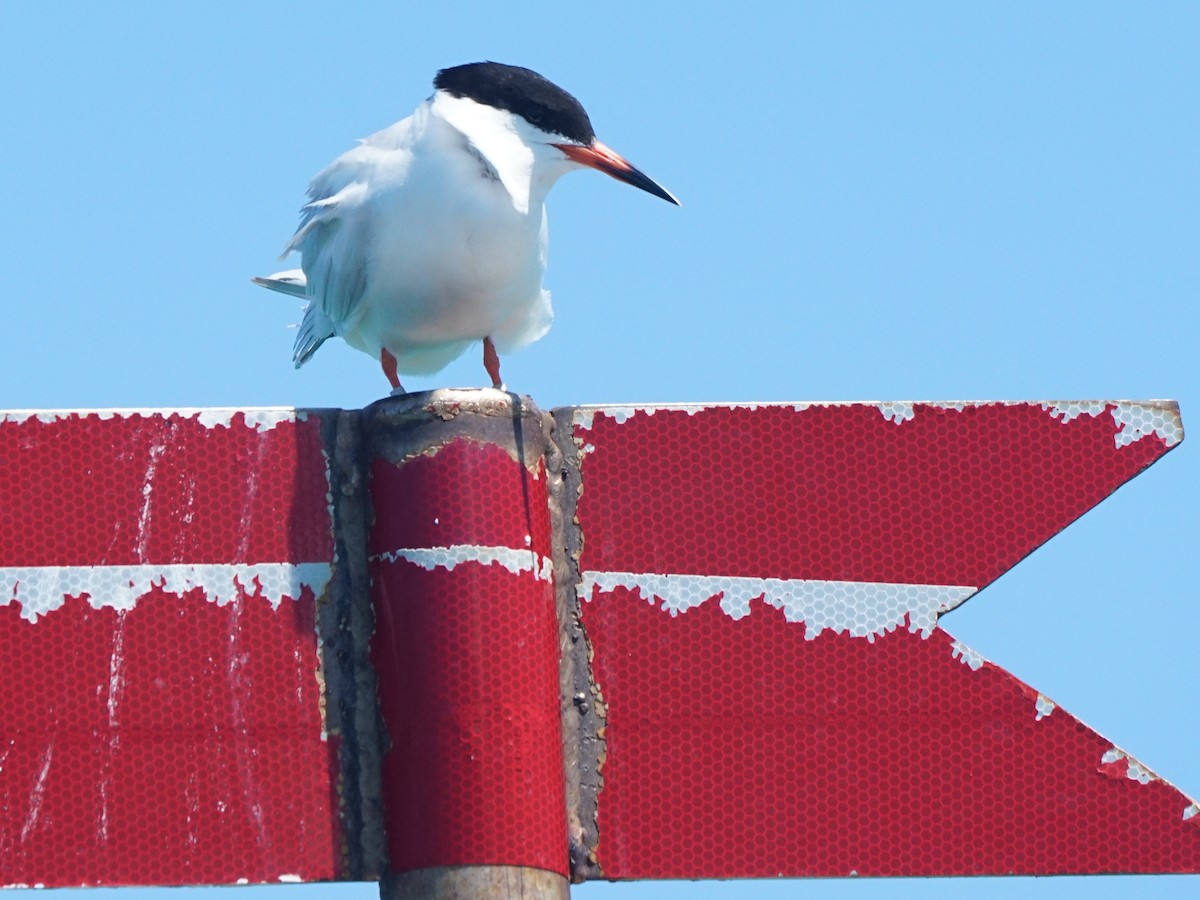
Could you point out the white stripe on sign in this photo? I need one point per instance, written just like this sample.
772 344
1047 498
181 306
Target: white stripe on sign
859 608
42 589
429 558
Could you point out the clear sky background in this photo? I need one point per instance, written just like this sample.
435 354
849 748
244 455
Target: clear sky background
881 201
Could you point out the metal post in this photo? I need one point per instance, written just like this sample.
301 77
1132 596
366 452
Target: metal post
466 646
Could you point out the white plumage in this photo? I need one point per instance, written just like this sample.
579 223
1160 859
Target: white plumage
431 234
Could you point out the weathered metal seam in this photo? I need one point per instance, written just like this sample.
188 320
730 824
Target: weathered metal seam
583 709
345 623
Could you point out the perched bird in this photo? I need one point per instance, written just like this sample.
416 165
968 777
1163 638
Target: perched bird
431 234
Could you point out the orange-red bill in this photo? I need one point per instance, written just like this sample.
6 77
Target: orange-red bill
597 156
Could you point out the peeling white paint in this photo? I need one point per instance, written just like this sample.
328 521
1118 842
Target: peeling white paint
968 657
897 411
1135 771
42 589
238 677
1191 811
906 409
157 449
1044 707
584 416
246 519
1134 421
36 795
290 879
116 670
429 558
192 796
1068 410
49 416
116 689
260 419
858 608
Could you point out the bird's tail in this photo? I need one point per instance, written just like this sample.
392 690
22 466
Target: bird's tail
316 327
291 282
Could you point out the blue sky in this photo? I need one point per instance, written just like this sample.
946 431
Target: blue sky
927 201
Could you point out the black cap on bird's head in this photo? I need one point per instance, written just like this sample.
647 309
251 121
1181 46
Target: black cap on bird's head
547 107
523 92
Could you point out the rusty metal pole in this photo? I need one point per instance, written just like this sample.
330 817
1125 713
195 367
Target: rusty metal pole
466 647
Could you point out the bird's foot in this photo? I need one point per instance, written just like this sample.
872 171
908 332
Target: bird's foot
491 362
388 363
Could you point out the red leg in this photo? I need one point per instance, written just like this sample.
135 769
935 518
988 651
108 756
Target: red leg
388 363
491 362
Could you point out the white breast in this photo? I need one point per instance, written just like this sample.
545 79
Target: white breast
450 258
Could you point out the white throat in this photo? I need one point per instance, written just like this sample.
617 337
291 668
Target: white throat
521 156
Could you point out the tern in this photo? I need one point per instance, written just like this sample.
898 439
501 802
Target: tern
431 234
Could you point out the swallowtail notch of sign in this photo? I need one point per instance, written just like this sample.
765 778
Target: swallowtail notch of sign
761 588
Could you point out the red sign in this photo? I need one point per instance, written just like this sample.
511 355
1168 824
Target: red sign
761 588
186 645
162 706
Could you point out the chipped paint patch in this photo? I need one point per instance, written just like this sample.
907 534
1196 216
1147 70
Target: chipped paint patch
1134 421
973 659
1043 707
261 419
1116 763
584 416
901 411
859 609
430 558
1069 410
42 589
1191 811
290 879
897 411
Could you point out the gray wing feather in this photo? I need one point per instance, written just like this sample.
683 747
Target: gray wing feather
333 250
333 242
